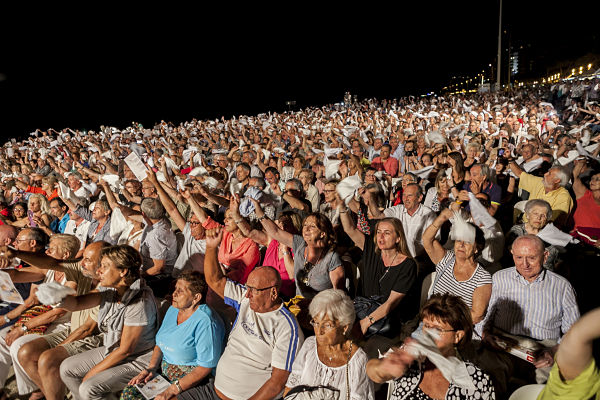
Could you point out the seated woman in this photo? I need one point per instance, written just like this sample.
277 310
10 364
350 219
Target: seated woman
38 204
317 266
20 218
277 255
587 213
127 317
330 358
238 254
388 273
439 194
457 271
449 318
189 342
537 215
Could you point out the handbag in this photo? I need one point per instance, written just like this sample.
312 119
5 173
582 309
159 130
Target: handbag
305 392
321 392
364 306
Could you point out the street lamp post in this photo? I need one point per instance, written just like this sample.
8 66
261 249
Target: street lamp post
498 69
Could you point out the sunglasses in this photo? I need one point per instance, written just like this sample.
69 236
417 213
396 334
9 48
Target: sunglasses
304 274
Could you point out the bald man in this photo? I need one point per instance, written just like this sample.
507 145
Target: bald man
533 303
8 234
263 324
40 359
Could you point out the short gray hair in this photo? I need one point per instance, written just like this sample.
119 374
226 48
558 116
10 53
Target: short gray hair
335 304
485 170
297 183
562 175
153 208
539 203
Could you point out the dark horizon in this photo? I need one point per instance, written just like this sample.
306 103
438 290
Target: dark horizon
178 70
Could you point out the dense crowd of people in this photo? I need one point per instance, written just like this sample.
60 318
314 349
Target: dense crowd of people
442 245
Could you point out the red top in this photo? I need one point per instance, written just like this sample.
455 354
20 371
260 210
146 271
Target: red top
34 189
587 213
390 165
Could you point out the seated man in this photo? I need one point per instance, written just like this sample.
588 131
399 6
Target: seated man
480 183
414 216
263 326
39 360
385 162
550 188
531 302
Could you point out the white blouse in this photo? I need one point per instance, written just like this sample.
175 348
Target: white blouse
309 370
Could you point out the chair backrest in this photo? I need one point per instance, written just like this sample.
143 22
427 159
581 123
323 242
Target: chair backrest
426 286
527 392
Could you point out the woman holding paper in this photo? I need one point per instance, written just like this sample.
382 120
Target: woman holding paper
426 374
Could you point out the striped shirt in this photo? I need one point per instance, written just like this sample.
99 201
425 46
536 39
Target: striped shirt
446 282
543 309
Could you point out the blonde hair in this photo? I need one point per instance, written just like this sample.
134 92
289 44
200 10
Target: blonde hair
44 206
67 243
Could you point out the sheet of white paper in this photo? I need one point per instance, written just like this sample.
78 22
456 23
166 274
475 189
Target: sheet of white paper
8 292
137 166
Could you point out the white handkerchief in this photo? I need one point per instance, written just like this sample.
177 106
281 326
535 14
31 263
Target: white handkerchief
170 163
198 171
137 166
53 293
347 187
331 168
68 194
423 172
480 214
332 151
551 234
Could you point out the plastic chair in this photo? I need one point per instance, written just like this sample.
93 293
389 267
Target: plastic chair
527 392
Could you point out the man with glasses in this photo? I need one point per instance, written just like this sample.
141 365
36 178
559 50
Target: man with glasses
263 325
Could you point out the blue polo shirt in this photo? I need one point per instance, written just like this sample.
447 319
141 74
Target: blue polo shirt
58 226
493 191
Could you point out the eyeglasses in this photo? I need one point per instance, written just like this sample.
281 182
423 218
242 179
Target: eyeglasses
435 330
328 190
22 239
255 291
328 326
194 223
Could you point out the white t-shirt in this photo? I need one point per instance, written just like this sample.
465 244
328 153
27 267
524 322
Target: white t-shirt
413 225
257 343
309 370
80 232
191 256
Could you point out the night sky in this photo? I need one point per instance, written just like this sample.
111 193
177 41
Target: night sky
115 66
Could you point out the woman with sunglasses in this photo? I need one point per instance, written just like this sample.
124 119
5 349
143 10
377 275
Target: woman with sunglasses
448 320
330 357
317 266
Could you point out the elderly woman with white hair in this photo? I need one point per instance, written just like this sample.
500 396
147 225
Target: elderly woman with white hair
331 358
537 215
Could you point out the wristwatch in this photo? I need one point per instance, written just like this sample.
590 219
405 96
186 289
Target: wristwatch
177 385
261 218
24 328
6 319
371 319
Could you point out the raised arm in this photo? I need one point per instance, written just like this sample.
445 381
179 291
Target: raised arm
196 209
166 201
434 249
349 227
578 187
258 236
271 228
575 351
215 278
